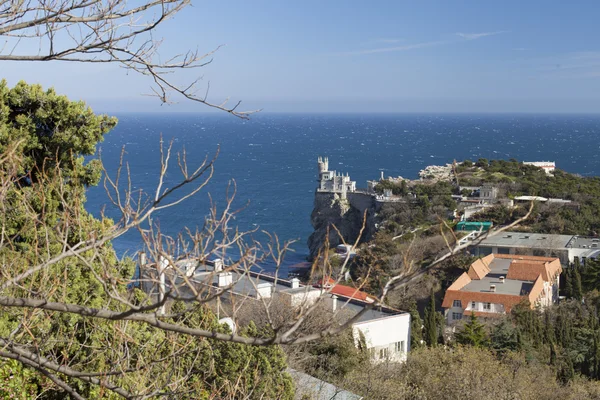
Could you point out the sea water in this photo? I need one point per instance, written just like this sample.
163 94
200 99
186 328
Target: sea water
272 158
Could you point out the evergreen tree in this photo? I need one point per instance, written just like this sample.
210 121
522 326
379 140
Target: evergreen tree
473 333
44 139
504 337
577 286
416 327
566 373
590 275
430 328
568 282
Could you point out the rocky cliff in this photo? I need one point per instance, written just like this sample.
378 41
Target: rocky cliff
346 214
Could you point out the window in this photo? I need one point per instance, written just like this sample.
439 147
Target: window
473 305
399 347
484 251
456 303
456 315
383 353
487 306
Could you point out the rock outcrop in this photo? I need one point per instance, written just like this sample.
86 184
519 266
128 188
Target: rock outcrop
347 216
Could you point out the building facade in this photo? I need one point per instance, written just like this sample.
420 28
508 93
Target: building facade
494 284
547 166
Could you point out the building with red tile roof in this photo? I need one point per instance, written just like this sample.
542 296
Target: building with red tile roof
496 283
346 291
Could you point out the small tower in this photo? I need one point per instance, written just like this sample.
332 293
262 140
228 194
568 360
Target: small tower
323 164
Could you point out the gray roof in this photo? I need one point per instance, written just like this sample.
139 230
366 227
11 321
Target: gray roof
499 267
529 240
541 240
245 285
580 242
317 389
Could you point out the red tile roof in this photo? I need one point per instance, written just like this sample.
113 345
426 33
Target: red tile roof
481 267
347 291
528 268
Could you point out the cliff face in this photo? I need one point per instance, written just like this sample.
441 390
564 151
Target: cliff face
346 214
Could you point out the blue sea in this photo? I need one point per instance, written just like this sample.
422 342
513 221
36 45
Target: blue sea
273 158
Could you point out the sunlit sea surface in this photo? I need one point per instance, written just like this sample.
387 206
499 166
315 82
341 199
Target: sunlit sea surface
272 158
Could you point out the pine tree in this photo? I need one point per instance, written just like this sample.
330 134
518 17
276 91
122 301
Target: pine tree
505 337
473 333
430 328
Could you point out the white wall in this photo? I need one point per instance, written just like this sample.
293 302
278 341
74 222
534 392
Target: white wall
384 333
304 298
495 308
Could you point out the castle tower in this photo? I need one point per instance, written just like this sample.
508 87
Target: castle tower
321 163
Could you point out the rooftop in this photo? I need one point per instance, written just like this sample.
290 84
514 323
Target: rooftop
529 240
499 267
248 283
503 278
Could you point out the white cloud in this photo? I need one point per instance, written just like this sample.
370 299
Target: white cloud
388 40
395 48
473 36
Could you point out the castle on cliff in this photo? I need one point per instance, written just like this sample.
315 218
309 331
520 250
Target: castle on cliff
333 182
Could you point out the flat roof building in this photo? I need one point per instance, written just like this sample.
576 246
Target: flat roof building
565 247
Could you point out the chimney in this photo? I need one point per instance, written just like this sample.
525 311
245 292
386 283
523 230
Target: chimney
334 300
264 290
142 259
492 288
218 265
295 283
224 279
501 279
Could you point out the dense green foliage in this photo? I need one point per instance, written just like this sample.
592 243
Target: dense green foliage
515 179
465 372
43 140
430 328
472 333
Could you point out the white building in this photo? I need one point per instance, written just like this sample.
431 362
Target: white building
548 166
384 331
565 247
331 181
387 336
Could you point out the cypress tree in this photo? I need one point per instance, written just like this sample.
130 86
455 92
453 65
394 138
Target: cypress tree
552 354
590 275
568 277
430 328
416 327
577 288
549 336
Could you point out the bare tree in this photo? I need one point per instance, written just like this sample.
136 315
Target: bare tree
106 31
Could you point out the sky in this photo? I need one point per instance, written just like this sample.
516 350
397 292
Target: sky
357 56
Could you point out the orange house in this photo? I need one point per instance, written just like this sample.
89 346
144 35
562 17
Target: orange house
497 282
